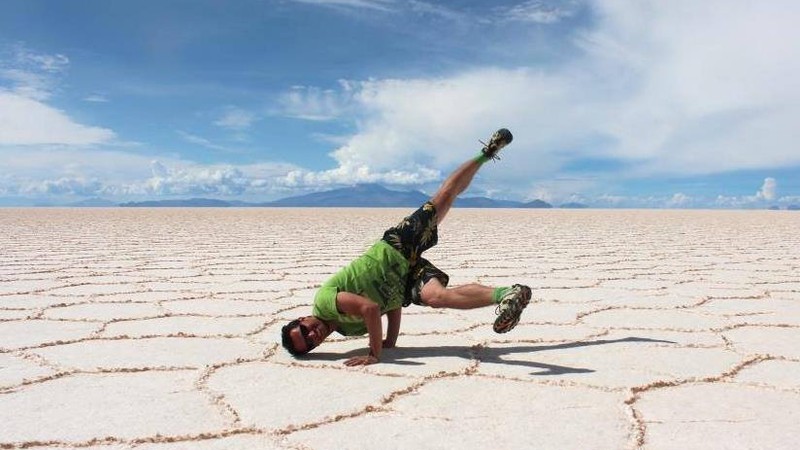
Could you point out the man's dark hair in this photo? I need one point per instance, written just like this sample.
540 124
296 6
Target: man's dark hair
288 344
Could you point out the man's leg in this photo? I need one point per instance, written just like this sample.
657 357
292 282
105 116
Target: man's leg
468 296
459 180
454 185
510 300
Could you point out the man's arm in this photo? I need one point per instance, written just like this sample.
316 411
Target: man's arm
393 328
357 305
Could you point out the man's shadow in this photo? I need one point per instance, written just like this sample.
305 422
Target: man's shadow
408 356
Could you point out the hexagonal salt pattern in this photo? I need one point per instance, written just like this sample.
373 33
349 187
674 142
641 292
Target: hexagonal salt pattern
159 330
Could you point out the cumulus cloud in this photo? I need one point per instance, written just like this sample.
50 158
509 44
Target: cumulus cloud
679 200
346 175
768 189
767 193
225 181
180 178
67 172
64 186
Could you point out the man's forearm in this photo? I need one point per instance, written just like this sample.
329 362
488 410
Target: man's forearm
372 318
393 328
358 305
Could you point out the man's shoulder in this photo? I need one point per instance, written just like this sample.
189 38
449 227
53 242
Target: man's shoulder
325 303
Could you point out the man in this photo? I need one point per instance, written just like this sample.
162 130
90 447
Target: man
392 274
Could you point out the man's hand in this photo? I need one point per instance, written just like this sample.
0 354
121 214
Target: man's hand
361 361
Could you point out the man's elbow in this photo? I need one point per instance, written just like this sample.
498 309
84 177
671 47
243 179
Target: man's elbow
370 310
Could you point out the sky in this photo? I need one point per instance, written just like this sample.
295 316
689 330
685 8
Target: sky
612 103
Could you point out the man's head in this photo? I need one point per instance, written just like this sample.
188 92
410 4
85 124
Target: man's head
302 335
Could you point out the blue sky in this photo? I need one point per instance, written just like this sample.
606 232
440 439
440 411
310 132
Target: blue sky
615 103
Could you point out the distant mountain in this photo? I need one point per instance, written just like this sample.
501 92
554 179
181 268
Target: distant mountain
793 207
358 196
93 203
191 203
361 195
574 205
537 204
375 196
485 202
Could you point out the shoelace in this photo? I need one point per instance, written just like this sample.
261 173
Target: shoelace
502 303
495 156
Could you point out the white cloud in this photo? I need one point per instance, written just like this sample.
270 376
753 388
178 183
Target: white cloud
706 86
543 12
201 141
180 178
311 103
29 74
381 5
236 119
48 63
224 180
426 8
768 189
27 80
27 121
59 172
561 190
96 98
679 200
347 175
765 196
64 186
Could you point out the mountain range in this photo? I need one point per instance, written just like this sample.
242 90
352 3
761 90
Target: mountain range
361 195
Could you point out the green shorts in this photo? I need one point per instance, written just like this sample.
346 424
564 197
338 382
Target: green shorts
412 236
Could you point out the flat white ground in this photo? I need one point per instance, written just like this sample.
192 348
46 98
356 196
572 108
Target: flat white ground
159 329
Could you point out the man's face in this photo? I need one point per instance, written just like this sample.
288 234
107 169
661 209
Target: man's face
309 333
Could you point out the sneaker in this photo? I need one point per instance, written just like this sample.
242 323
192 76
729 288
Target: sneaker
510 308
499 139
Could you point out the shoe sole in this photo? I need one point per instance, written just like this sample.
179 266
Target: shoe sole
509 319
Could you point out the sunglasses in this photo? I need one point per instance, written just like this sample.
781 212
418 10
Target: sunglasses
304 332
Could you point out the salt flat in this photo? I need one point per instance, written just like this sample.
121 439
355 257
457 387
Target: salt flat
159 329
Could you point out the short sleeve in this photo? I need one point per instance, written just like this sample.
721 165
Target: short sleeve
325 303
